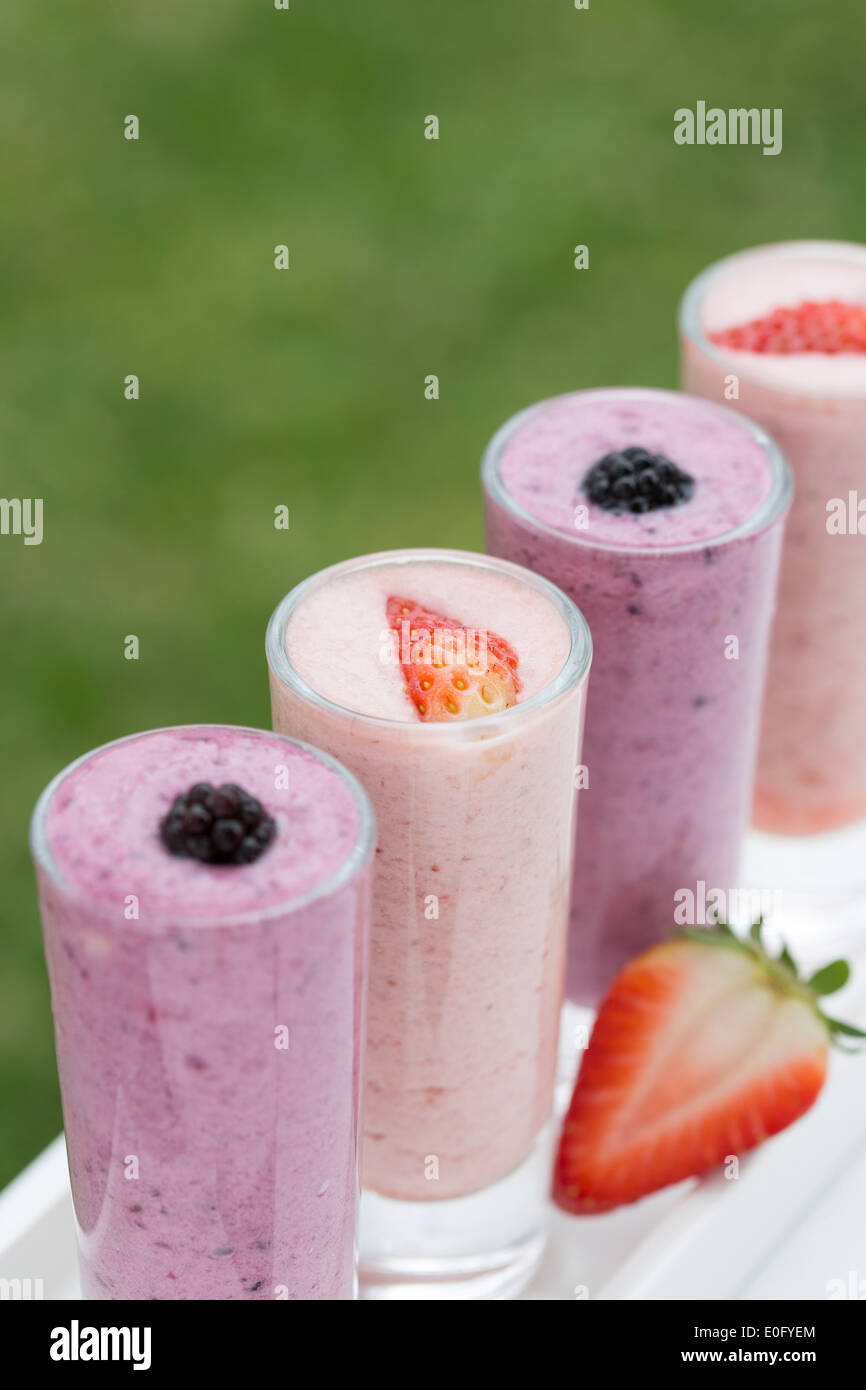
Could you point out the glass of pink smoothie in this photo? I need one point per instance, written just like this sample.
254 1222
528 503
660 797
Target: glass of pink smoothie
678 593
781 332
473 870
208 1015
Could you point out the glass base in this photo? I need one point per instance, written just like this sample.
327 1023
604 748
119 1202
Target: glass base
814 887
828 867
485 1246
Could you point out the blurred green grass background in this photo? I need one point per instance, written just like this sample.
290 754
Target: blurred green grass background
306 387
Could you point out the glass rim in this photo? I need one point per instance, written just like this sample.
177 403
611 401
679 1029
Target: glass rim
771 508
360 853
689 311
573 671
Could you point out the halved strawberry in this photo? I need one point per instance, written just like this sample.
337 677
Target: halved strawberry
451 672
704 1046
829 327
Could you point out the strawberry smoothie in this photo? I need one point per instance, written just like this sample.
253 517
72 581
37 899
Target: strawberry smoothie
661 516
786 324
207 991
473 867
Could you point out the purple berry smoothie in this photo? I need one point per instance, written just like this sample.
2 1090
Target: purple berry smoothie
208 1019
679 601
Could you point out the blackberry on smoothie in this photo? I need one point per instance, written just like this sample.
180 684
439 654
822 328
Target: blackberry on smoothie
661 516
205 907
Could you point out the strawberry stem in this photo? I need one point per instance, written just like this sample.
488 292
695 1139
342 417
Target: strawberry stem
782 972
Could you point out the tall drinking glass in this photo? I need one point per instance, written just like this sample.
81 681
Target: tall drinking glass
473 870
781 332
661 515
207 960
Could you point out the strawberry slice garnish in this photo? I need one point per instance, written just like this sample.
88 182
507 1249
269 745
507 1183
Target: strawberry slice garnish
704 1046
451 671
829 327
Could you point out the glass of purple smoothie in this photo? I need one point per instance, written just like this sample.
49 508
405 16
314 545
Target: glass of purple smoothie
661 516
207 962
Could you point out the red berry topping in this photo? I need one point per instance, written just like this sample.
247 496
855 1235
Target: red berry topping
810 327
452 672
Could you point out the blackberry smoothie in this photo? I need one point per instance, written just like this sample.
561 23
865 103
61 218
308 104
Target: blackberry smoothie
785 326
207 961
471 770
661 516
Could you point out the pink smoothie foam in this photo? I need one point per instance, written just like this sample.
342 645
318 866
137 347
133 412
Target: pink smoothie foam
671 722
812 761
165 1022
475 825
